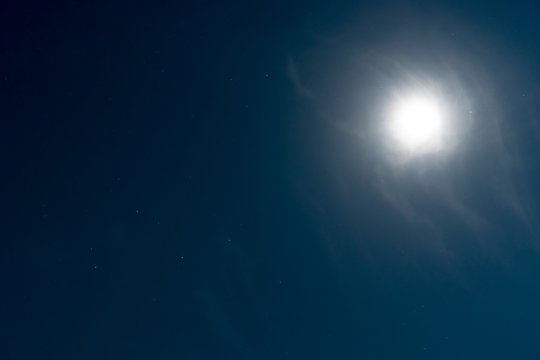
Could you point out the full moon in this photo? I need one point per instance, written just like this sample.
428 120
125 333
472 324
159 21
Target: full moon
417 124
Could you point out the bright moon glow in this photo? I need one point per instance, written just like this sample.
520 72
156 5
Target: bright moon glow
417 124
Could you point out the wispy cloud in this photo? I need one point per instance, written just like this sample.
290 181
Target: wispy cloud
296 79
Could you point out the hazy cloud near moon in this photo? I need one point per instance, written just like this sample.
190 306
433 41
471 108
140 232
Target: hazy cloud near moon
296 80
480 178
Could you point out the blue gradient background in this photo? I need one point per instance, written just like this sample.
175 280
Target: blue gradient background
203 181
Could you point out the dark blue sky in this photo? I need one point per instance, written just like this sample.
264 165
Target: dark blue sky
209 181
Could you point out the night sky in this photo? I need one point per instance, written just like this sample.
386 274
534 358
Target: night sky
213 181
